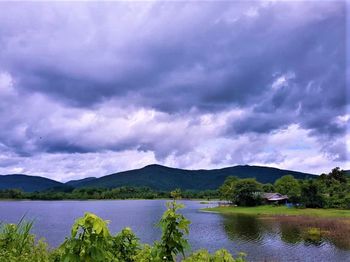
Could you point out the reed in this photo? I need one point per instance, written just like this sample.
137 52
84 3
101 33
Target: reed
335 230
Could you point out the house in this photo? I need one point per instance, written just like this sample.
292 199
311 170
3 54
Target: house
274 198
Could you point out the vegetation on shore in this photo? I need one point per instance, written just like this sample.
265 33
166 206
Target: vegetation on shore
269 210
91 241
105 193
313 230
326 191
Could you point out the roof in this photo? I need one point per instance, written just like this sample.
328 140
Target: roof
274 196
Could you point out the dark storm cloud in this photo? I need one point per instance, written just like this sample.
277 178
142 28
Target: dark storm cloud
208 62
276 63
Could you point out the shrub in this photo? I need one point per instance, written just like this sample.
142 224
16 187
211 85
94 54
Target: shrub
90 241
17 244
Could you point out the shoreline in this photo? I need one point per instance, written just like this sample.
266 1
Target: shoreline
92 199
281 211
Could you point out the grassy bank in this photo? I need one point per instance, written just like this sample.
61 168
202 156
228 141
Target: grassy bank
281 211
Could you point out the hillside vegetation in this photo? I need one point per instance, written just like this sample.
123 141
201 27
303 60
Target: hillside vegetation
27 183
156 177
166 178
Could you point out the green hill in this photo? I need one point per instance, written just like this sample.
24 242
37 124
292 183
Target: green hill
154 176
27 183
76 183
166 178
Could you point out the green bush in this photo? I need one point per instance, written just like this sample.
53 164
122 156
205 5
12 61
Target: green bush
221 255
17 244
90 241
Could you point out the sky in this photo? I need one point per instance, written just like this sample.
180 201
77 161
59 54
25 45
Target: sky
89 89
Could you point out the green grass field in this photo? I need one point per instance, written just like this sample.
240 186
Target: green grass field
281 211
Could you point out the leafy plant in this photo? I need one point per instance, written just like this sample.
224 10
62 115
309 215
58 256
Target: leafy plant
126 245
174 227
90 241
18 244
221 255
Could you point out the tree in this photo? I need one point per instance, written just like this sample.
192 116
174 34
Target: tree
335 187
15 193
288 185
338 175
227 189
311 194
247 192
267 188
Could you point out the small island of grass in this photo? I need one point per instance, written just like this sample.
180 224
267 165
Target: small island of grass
268 210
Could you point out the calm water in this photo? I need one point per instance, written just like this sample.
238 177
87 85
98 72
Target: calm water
261 241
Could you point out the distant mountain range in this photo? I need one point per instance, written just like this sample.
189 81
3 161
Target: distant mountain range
154 176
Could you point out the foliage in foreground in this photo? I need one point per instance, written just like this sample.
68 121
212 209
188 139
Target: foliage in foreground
91 241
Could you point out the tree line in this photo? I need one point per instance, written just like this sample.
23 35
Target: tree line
126 192
330 190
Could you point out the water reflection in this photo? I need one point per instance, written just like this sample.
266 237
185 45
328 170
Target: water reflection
290 230
290 234
243 227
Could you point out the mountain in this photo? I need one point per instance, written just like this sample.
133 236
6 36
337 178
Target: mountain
27 183
154 176
76 183
166 178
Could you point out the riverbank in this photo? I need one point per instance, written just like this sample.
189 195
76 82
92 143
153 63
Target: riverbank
281 211
199 200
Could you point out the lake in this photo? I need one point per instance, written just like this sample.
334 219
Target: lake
261 239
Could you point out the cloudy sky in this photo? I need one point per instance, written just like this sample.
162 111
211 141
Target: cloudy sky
87 89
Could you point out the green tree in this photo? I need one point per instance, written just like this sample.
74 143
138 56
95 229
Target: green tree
335 188
311 194
226 191
288 185
268 188
247 192
338 174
